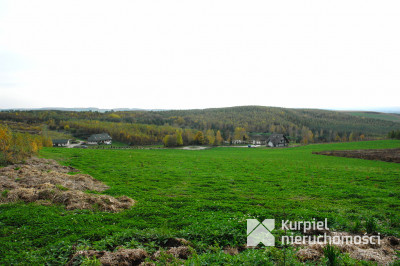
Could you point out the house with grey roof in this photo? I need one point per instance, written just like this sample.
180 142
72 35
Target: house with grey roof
102 138
277 140
60 142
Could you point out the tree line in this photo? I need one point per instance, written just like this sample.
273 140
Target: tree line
394 134
15 146
188 137
152 127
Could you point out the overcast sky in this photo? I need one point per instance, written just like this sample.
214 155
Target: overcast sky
198 54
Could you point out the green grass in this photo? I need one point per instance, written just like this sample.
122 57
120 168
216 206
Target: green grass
118 144
206 196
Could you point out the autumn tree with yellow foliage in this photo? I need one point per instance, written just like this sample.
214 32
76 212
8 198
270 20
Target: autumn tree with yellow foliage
15 147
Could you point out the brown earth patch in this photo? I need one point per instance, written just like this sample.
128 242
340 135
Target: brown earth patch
386 155
119 257
382 254
180 251
46 182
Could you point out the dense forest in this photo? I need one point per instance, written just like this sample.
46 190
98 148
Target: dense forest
216 125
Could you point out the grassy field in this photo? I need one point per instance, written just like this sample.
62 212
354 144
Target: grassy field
205 196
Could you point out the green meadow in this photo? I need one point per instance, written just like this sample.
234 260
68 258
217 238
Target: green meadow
205 196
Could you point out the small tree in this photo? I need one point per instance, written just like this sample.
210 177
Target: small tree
199 138
218 138
240 134
210 136
188 137
351 136
179 140
165 140
5 144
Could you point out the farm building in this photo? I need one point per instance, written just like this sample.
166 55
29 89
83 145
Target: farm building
102 138
258 139
277 140
60 142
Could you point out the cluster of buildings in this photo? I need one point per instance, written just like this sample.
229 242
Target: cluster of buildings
274 140
98 139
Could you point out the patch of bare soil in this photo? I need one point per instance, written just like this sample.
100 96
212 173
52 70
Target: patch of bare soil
386 155
383 253
180 250
46 182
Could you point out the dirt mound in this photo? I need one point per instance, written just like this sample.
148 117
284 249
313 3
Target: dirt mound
386 155
182 252
383 253
47 164
36 172
119 257
45 181
135 256
177 242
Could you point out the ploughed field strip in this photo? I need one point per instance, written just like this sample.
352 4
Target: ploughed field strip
46 182
386 155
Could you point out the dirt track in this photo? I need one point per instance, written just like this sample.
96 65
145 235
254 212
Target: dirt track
386 155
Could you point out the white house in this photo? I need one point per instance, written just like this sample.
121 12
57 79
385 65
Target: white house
102 138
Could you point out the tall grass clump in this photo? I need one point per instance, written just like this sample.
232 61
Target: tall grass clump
371 225
332 254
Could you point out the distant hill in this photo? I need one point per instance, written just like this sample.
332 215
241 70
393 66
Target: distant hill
267 119
318 125
79 109
377 115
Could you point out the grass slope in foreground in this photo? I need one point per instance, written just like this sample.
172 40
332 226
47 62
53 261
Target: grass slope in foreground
204 196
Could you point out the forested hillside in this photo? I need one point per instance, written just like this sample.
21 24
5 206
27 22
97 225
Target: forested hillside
377 115
150 127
